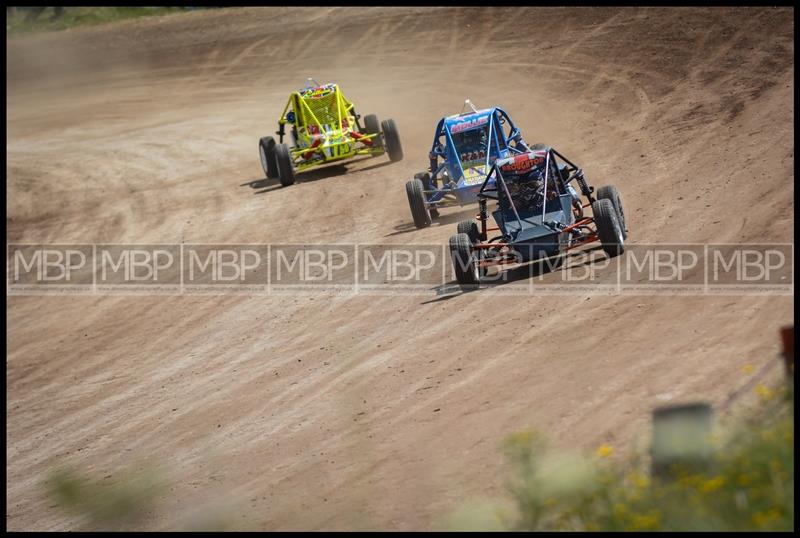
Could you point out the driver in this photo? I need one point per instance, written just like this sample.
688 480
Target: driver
475 138
527 188
474 144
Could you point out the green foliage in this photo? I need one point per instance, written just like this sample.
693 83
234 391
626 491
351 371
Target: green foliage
747 485
18 21
103 504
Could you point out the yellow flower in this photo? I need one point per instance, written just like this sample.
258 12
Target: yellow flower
689 480
748 369
644 521
520 438
640 480
713 484
767 435
605 451
761 519
764 392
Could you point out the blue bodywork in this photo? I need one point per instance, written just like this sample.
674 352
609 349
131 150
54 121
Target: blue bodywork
464 148
534 203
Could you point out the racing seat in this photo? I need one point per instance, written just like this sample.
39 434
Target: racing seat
315 133
524 190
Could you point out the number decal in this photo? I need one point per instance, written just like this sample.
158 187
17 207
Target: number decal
472 176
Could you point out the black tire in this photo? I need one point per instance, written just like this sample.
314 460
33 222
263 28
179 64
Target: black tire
464 261
610 192
469 227
416 201
425 178
266 153
392 139
283 158
427 185
608 228
373 126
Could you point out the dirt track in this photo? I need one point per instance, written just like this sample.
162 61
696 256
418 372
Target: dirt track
318 412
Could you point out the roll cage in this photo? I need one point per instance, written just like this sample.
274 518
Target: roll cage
319 112
559 175
500 140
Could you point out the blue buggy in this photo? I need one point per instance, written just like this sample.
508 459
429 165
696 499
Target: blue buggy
464 147
538 215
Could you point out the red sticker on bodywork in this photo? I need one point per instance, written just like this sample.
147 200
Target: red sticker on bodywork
522 163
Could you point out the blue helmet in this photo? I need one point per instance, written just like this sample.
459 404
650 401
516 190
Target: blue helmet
290 116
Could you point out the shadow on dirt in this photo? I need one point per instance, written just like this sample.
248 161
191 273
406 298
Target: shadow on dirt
444 219
571 261
263 185
372 166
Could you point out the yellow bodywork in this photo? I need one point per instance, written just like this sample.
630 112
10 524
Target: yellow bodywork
323 121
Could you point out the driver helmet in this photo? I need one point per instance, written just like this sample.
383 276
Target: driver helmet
290 116
473 137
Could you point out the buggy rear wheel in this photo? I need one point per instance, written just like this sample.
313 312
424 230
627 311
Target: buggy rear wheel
465 263
373 126
610 192
416 201
608 228
392 137
469 227
266 152
283 158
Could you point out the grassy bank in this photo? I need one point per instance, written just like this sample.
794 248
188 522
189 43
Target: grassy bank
747 486
18 21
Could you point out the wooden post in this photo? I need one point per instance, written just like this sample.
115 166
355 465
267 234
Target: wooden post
787 336
681 438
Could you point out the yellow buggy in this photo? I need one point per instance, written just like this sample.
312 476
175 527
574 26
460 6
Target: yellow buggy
324 128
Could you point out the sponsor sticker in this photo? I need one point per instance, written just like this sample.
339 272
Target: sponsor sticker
469 124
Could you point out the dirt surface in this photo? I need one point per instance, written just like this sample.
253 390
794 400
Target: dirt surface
363 412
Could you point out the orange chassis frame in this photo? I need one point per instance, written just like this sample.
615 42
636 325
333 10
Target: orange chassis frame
506 258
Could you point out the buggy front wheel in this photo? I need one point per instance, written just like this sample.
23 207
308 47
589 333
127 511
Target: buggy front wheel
266 152
469 227
610 192
373 127
416 201
427 185
283 158
608 227
392 138
465 263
